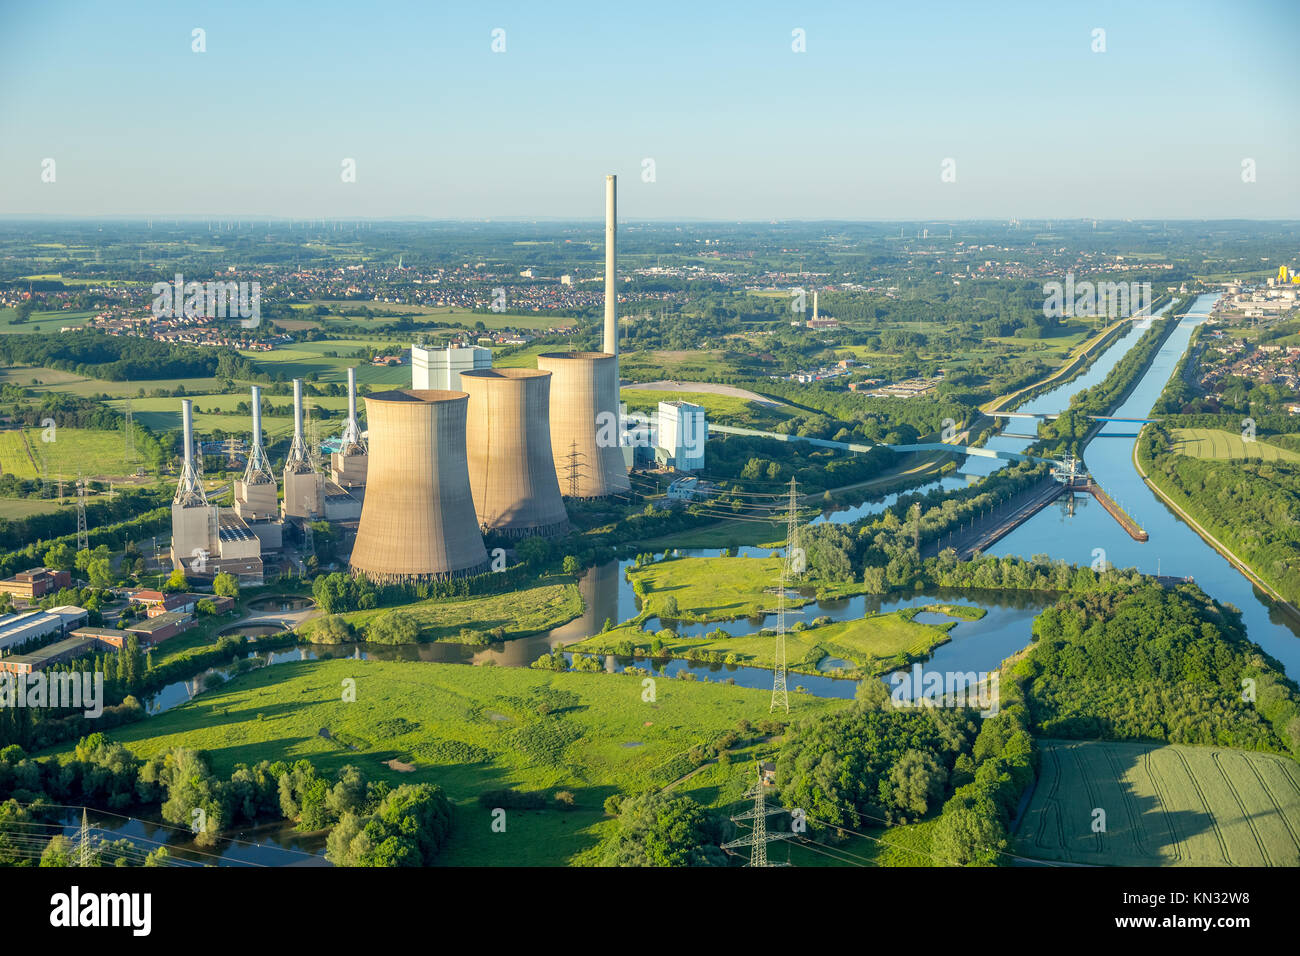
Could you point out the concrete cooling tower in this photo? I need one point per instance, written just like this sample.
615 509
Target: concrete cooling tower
584 423
511 472
417 521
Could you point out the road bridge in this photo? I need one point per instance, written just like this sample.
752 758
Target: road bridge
901 449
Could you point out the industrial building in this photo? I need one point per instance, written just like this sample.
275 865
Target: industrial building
24 626
34 583
511 470
348 465
683 431
418 521
205 539
304 486
257 499
440 369
585 427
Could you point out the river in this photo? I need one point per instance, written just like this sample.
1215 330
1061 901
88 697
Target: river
1070 529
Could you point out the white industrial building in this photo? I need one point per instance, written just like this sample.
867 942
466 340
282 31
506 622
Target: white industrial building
24 626
682 432
440 369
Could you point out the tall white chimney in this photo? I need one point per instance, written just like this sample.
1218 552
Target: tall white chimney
351 438
187 423
611 279
189 490
814 305
298 449
259 468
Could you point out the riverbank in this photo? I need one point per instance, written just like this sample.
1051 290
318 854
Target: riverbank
1166 497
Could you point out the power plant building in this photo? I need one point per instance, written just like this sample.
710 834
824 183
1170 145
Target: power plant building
683 431
257 498
440 369
585 427
205 539
304 487
511 469
418 521
349 464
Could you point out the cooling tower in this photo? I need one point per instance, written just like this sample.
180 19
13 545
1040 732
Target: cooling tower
584 423
418 521
511 471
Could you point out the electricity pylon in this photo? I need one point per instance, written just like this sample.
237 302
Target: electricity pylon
83 537
84 856
758 838
779 694
573 468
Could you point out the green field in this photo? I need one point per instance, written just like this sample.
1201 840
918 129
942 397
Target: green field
41 322
1165 805
25 507
73 451
164 414
711 589
1222 445
519 613
472 729
874 644
718 408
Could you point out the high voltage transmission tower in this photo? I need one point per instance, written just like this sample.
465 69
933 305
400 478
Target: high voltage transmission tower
130 433
84 856
791 565
758 838
83 537
573 469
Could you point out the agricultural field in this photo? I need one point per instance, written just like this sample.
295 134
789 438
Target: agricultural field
57 380
26 507
471 729
42 322
164 414
519 613
431 315
725 409
73 451
1165 805
1220 445
306 359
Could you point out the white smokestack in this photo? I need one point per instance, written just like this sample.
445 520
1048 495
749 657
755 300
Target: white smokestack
189 490
352 395
257 418
187 420
814 304
611 279
297 411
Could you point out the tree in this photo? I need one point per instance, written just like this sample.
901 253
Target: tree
393 627
99 571
916 781
205 607
571 564
176 581
225 585
60 556
969 834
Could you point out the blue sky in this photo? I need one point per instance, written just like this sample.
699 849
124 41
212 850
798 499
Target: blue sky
738 125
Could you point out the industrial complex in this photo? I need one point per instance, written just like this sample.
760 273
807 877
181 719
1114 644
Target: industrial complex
467 451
